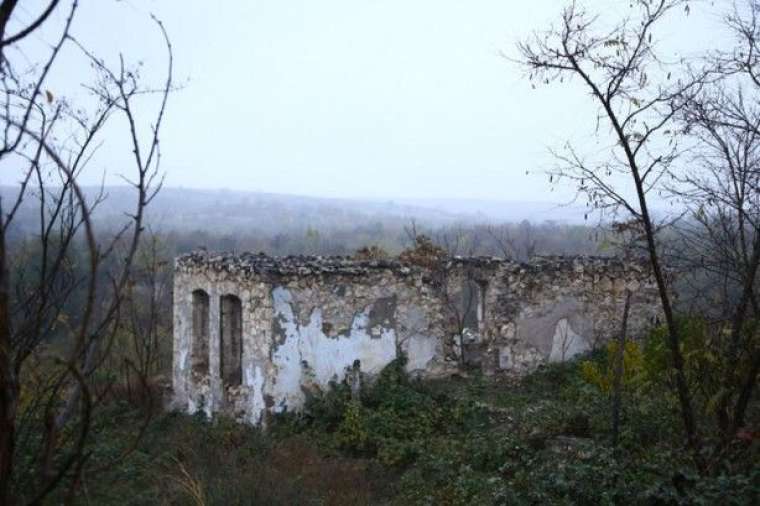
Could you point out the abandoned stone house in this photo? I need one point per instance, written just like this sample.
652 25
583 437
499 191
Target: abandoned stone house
253 334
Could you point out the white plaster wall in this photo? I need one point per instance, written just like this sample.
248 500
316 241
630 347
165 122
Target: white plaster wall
305 331
181 342
277 366
421 352
308 356
194 393
566 343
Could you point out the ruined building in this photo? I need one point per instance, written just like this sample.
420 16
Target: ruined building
253 334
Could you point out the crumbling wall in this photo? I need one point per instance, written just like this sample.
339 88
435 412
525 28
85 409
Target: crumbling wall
307 321
556 308
319 330
209 392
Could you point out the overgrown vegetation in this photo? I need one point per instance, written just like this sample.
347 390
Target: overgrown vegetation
459 441
84 304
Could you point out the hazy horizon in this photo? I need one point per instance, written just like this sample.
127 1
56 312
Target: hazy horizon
349 99
173 205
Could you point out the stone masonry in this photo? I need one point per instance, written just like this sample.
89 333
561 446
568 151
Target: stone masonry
254 334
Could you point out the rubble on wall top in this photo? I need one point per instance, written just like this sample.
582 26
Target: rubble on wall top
305 265
261 263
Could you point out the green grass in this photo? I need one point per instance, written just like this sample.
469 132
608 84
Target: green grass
459 441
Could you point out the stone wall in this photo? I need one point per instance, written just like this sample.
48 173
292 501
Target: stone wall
302 322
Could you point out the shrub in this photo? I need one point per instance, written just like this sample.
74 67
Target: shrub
424 253
326 409
352 432
602 375
449 442
373 252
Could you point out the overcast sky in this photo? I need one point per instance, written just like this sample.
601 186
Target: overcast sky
353 98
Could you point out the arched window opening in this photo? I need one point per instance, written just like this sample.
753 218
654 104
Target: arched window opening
472 307
231 334
200 332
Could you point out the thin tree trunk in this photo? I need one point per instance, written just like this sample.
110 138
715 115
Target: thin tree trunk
8 389
746 393
737 327
617 381
682 386
674 342
8 384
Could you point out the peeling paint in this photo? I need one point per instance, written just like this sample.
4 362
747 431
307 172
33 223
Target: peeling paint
566 344
306 321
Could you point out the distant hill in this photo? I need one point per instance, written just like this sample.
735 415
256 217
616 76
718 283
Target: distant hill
505 211
227 211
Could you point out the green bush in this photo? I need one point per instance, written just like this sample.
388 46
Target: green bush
474 441
326 409
352 431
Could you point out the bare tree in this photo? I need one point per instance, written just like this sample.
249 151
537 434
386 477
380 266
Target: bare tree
519 244
147 307
722 194
460 296
617 378
456 240
461 302
638 101
411 232
71 287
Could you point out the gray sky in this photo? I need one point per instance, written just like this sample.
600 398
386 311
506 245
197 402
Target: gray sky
353 98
